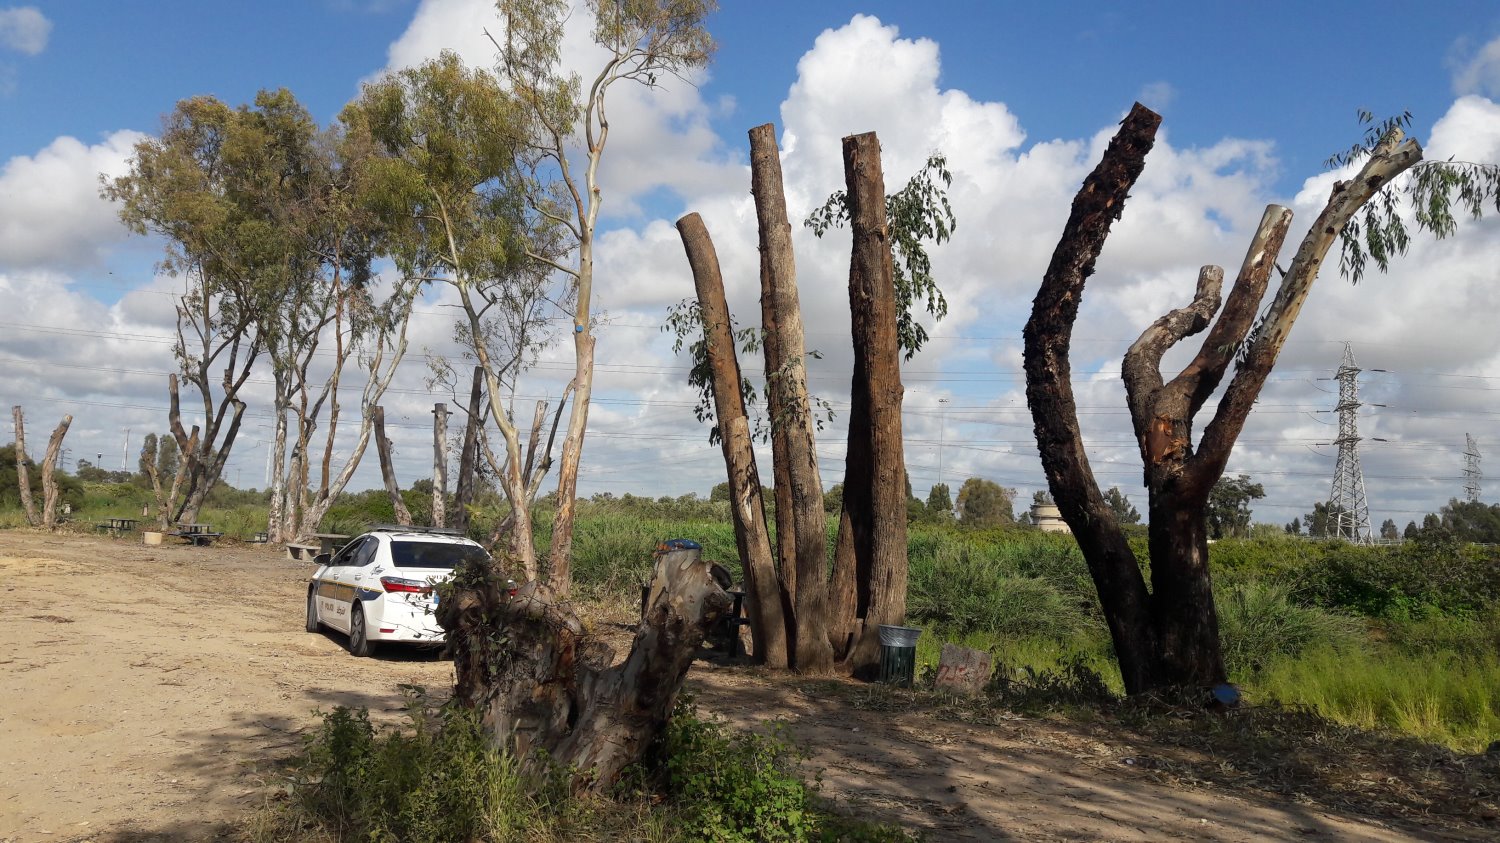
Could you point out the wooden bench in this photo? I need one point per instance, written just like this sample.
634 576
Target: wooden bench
301 551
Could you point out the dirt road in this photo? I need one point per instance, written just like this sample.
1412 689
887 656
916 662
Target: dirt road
149 691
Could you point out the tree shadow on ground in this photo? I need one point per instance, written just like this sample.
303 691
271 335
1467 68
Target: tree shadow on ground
1020 779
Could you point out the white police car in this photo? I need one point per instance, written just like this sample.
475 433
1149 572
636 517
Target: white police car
379 587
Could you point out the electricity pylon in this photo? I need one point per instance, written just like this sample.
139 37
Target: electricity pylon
1472 476
1346 505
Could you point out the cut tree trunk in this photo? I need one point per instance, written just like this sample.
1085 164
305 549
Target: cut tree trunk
545 690
767 623
387 471
877 515
1049 393
468 459
812 653
439 464
23 472
49 483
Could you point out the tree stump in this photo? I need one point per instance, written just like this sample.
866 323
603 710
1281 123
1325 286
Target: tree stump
546 690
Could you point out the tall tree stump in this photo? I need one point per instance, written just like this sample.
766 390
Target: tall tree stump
546 690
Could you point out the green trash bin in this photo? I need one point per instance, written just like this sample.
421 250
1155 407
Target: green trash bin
898 655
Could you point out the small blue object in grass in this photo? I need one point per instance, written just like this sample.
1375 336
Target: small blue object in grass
679 544
1226 695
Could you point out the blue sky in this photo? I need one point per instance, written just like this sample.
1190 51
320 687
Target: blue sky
1255 97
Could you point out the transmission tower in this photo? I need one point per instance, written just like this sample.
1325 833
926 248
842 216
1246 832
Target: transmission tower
1347 504
1472 475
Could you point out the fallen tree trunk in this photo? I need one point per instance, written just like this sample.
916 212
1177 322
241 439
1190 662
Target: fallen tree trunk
546 691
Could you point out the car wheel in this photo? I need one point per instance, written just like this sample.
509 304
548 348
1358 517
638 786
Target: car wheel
312 611
359 644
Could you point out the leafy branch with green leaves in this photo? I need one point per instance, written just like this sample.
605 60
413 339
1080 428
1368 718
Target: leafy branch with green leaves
1431 189
917 213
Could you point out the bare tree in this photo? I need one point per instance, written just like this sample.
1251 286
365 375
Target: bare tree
791 411
645 42
387 472
768 624
23 473
49 482
1168 635
875 480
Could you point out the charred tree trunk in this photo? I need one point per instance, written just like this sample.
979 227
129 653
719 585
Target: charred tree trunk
1170 637
468 459
767 623
546 691
49 462
878 522
1049 392
23 471
813 653
387 471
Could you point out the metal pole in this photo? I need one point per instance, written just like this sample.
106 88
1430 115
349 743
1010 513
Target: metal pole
942 434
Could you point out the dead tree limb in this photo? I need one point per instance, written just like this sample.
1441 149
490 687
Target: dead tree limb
767 624
23 471
877 511
49 483
1049 392
387 470
791 412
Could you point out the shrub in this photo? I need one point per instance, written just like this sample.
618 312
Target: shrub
1258 622
440 781
966 592
737 786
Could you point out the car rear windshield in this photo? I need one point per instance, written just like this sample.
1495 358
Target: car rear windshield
409 554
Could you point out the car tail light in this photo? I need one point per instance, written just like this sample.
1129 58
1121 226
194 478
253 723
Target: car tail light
397 584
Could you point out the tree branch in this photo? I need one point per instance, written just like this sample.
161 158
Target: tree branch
1392 156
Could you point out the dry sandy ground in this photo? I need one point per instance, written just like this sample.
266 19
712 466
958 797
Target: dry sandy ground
149 692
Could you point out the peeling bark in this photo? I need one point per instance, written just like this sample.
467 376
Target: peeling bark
768 630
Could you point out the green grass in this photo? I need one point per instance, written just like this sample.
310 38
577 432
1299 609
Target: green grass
1442 698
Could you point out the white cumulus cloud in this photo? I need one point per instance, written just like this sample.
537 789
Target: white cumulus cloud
24 29
50 210
1478 72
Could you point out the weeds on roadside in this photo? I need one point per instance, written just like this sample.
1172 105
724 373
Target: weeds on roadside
438 779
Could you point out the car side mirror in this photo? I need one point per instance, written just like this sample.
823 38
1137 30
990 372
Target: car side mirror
322 558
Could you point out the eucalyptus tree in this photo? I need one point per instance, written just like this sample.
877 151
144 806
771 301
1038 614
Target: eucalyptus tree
644 41
188 185
446 182
1168 635
320 207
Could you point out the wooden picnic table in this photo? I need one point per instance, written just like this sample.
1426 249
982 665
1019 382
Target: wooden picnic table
198 535
330 542
116 526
